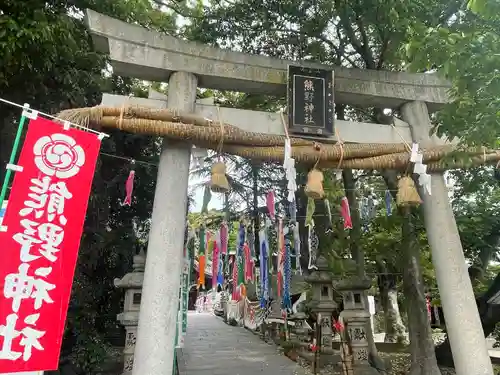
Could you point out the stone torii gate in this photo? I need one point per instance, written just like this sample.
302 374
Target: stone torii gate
140 53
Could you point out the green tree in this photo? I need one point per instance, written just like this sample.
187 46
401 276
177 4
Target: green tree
374 35
48 61
466 50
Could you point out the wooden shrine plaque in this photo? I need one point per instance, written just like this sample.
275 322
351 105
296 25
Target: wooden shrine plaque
310 101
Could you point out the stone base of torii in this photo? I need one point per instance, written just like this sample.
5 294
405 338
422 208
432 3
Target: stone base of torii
148 55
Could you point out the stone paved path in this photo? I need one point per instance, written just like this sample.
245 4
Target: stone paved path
215 348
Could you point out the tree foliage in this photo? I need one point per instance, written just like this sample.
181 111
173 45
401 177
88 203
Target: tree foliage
48 61
466 50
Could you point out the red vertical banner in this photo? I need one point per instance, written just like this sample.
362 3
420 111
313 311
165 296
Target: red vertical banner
44 221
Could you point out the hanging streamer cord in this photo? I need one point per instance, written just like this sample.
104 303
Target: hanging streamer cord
206 133
57 119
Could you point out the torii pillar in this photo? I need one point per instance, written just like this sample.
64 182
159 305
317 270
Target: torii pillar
149 55
463 323
154 351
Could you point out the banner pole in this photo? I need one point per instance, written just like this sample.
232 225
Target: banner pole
13 154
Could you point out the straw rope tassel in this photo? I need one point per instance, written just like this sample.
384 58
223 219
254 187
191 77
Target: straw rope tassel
407 193
314 186
218 180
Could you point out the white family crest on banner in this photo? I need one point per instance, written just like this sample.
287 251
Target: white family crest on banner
58 155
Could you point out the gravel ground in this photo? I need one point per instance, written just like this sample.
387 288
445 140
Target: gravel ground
400 365
400 362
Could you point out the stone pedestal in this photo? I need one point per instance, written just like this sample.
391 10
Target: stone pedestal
129 318
322 301
356 316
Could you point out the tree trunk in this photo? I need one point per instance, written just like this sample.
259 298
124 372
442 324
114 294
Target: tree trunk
423 358
395 330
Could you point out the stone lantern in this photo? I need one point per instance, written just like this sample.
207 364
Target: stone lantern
129 318
300 325
322 301
356 317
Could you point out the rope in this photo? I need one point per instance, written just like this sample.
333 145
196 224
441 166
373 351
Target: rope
408 147
83 127
318 147
205 133
221 142
341 144
285 125
125 103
